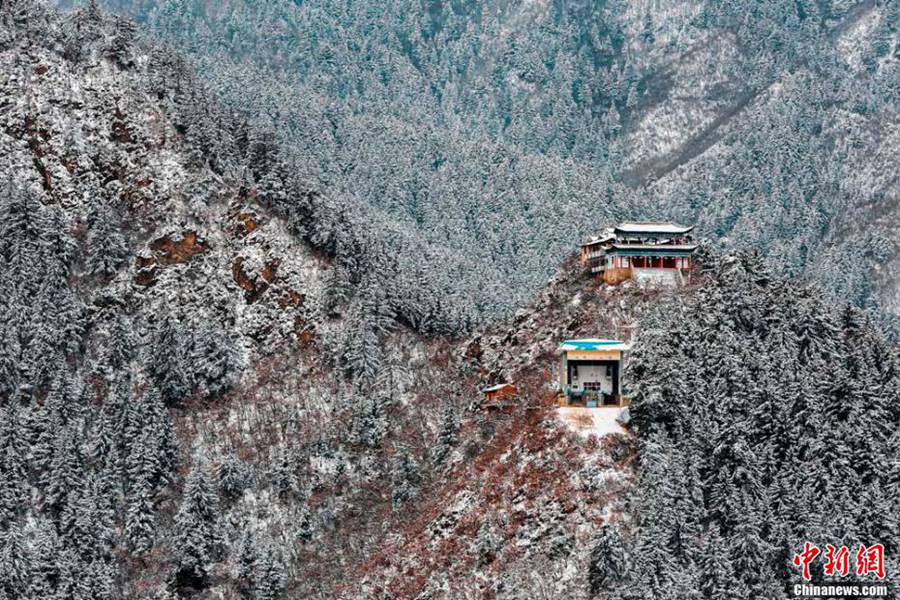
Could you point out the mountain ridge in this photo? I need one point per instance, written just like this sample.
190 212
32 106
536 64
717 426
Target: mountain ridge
500 138
218 381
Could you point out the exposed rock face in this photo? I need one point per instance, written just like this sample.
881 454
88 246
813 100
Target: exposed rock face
257 283
167 250
178 250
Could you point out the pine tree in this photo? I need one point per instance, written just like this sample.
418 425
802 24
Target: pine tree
269 574
65 474
448 435
304 530
150 440
717 574
15 570
120 49
362 355
607 564
120 349
486 543
196 538
167 361
214 360
13 476
337 291
106 247
232 478
283 475
244 563
44 552
72 582
648 35
369 421
404 478
259 571
140 522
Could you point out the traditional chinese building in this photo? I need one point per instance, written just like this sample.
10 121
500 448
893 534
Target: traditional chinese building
590 372
646 252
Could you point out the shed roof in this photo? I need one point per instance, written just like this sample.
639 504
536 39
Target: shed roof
663 228
498 387
591 344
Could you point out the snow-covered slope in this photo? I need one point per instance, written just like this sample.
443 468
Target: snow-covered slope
503 131
217 381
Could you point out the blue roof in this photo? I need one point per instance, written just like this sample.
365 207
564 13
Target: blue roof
592 344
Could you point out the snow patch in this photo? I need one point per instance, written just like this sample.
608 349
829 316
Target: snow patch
586 422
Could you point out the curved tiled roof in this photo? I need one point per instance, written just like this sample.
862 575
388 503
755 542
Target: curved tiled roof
670 228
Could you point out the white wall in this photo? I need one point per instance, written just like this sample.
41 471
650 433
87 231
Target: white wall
592 373
655 276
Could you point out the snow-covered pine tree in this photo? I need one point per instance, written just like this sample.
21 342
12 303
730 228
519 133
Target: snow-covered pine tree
404 477
214 359
717 574
448 434
369 421
258 568
607 561
486 543
269 573
233 478
66 472
196 542
283 474
106 247
149 443
13 469
15 568
167 360
140 517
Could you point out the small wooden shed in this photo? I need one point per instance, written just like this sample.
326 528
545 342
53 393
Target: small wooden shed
497 393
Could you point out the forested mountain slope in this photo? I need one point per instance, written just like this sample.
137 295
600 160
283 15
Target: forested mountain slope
506 131
194 341
217 380
762 416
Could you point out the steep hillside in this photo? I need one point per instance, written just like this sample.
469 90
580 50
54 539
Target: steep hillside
516 510
502 131
761 416
217 381
209 386
200 352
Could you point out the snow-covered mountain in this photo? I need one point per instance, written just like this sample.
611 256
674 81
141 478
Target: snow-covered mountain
505 131
219 379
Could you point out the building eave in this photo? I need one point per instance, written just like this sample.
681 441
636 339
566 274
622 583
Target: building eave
653 249
653 228
592 345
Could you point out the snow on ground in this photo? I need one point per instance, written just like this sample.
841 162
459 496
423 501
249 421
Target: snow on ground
591 421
